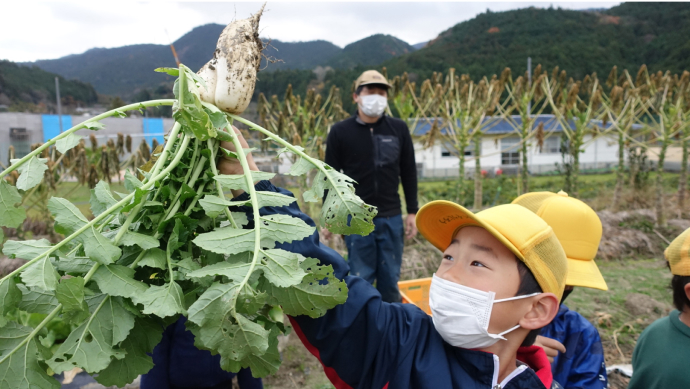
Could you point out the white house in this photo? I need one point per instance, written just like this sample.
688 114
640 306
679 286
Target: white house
500 149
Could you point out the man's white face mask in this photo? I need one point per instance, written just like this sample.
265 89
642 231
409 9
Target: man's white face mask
373 105
461 314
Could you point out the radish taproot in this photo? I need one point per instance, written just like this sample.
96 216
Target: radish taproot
230 75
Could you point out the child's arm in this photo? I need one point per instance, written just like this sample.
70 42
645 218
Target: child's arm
588 367
360 342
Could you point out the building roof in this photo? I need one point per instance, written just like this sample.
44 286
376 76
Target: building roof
504 126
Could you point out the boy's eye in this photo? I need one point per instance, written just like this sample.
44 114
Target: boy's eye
448 257
476 263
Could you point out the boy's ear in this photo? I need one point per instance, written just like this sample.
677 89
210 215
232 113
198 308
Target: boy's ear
544 309
687 291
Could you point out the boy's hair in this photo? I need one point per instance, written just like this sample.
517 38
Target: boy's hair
680 299
529 285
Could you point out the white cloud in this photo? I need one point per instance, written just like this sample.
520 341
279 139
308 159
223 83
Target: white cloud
41 30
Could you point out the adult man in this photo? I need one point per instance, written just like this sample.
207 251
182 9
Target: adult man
377 152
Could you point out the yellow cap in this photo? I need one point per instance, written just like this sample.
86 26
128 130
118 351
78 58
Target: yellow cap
577 227
677 254
371 77
521 231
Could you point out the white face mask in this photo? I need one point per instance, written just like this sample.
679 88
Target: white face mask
373 105
461 314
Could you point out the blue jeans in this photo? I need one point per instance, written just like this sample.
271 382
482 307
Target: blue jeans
378 256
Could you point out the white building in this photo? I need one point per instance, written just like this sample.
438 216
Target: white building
500 149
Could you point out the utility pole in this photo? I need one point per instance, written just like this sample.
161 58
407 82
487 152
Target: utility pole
59 104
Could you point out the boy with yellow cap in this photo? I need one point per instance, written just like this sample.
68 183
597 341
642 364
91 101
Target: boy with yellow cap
662 352
500 279
580 364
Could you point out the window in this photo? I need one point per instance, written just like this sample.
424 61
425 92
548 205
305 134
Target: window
447 150
552 145
510 153
19 138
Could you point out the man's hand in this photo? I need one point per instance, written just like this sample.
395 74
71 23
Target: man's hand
230 165
551 347
326 234
410 226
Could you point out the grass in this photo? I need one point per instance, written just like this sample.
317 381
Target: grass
610 311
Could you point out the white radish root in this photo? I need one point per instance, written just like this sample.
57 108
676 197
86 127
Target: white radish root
231 74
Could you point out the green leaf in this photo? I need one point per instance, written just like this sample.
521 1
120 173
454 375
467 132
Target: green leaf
300 167
267 363
37 300
98 247
95 126
145 335
144 241
70 293
74 264
214 205
234 271
212 306
101 198
282 268
240 218
226 240
172 72
19 366
139 196
10 215
92 345
41 275
154 258
131 182
237 181
65 144
235 339
273 199
310 297
117 280
10 295
342 212
31 172
187 192
162 301
283 229
26 249
67 216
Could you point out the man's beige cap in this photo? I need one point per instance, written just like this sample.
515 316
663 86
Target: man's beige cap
371 77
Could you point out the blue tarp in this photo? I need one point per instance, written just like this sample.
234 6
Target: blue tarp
153 128
51 125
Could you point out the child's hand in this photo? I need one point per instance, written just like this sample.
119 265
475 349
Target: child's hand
551 347
230 165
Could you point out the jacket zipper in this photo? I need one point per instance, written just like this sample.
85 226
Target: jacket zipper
513 374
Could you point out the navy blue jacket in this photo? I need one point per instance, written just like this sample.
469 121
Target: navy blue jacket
178 364
582 366
368 343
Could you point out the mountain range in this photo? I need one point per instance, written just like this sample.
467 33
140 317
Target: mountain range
580 42
125 70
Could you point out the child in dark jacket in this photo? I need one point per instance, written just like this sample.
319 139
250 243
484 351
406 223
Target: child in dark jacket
580 362
178 364
501 277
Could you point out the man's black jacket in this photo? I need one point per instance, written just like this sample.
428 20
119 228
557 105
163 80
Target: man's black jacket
378 156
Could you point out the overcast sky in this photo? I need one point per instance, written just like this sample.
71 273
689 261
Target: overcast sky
32 30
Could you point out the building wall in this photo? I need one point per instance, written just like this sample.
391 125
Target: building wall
133 126
598 153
